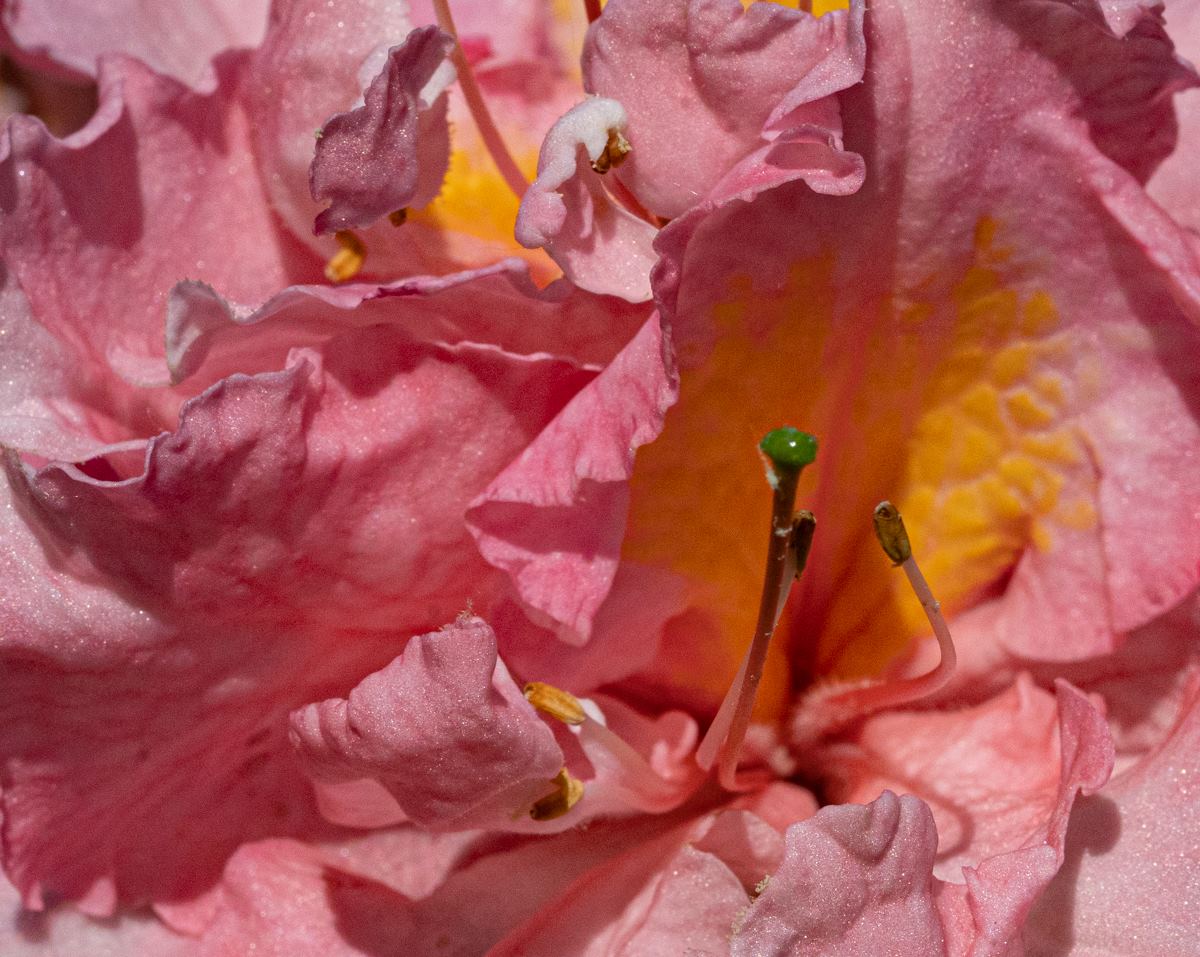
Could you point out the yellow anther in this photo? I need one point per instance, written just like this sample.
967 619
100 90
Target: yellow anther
889 528
613 154
555 702
566 794
398 217
348 260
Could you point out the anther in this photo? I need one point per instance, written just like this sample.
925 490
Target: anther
555 702
892 535
786 452
348 260
614 153
566 794
398 217
830 707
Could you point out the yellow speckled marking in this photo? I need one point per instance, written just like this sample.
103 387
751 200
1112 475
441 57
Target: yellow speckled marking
956 410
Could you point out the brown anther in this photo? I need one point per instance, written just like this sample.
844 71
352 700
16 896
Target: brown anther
398 217
889 529
803 527
554 702
613 154
348 260
566 794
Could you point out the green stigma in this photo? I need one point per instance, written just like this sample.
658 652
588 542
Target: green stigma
789 448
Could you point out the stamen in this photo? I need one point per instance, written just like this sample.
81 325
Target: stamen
477 106
555 702
786 452
614 153
566 794
829 708
348 260
606 749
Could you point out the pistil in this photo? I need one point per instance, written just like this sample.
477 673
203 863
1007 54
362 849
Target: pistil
478 108
786 452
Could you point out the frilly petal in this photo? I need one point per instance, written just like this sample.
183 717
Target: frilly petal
600 246
707 85
262 559
391 152
851 877
443 728
175 39
554 519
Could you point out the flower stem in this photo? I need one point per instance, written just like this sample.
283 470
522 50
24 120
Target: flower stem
488 131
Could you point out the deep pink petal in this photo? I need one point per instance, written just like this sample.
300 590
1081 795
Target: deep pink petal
176 39
554 519
180 199
443 728
281 544
600 245
851 877
497 304
391 152
706 85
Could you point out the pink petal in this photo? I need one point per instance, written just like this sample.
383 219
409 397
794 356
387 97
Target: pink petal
986 916
1132 869
1173 184
497 304
702 81
283 898
181 199
443 728
64 932
176 39
392 152
600 246
281 544
554 519
851 877
990 773
306 71
1060 487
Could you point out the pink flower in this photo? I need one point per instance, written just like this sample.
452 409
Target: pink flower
407 611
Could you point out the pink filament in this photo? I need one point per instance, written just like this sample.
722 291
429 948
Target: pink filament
478 107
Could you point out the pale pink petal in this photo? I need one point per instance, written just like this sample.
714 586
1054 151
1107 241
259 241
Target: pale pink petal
281 544
1132 866
176 39
443 728
990 773
1174 184
706 85
851 877
64 932
392 152
601 246
281 898
554 519
985 917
